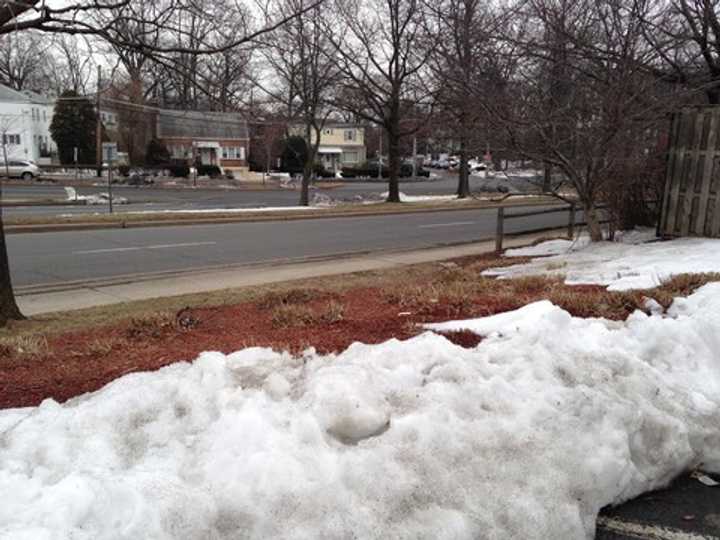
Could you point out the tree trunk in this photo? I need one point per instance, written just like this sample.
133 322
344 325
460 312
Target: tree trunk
9 310
713 96
394 167
547 179
305 184
593 222
463 190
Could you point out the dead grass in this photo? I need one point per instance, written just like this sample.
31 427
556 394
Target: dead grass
24 347
274 299
153 326
103 346
294 315
686 284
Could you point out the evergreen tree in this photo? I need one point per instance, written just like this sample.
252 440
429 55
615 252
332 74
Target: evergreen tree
74 125
294 154
157 153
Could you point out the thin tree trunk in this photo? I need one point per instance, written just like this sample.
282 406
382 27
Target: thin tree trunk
593 222
463 191
9 310
309 165
394 167
305 184
547 178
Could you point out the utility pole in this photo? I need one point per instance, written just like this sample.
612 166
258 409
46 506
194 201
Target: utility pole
98 128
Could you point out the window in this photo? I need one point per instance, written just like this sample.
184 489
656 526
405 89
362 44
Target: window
350 135
241 152
11 139
44 116
350 157
328 131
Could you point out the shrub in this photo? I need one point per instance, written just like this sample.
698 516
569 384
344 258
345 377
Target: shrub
213 171
178 170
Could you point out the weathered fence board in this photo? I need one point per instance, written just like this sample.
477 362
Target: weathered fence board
692 184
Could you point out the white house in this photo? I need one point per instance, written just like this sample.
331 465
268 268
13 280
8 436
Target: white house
25 125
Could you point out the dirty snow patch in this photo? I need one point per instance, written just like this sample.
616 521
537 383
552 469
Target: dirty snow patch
622 265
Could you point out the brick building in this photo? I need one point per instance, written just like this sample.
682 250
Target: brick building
213 138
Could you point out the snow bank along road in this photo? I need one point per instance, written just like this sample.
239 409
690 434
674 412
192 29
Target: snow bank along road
526 436
76 255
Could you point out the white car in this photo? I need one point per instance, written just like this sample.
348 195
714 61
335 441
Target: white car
27 170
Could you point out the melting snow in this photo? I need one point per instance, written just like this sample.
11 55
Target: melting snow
525 436
625 264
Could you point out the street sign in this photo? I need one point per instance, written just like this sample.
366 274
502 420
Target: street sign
109 151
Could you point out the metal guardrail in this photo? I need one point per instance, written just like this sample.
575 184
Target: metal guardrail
572 222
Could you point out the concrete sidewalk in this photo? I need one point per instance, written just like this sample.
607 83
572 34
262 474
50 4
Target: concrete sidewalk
79 295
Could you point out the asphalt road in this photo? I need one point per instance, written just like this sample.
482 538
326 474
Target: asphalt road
47 258
152 198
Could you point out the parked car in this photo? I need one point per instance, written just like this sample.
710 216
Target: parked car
27 170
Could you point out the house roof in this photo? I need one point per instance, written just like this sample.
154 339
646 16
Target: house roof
8 95
38 99
201 125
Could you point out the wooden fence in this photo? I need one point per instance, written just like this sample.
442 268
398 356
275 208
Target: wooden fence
691 204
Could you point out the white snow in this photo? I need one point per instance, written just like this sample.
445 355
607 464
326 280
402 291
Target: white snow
95 199
525 436
424 198
621 265
228 210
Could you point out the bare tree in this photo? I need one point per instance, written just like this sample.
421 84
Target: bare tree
22 65
71 65
686 35
381 63
301 55
468 72
584 97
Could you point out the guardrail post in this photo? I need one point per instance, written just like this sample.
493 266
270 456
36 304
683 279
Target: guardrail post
571 222
499 229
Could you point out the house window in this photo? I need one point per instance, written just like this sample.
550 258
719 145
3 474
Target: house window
350 157
328 131
349 134
11 139
44 115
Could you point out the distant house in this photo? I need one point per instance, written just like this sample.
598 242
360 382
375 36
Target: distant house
212 138
341 144
25 125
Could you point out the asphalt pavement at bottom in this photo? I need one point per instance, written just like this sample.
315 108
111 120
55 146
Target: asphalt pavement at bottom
687 510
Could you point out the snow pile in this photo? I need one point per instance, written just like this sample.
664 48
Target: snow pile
95 199
627 264
526 436
423 198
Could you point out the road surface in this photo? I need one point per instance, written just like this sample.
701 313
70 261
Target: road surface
49 258
158 199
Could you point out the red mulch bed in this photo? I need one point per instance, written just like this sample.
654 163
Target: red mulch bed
77 364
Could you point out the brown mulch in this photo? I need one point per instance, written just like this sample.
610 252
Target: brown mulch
80 362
